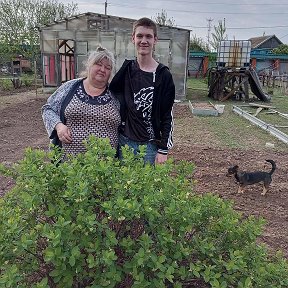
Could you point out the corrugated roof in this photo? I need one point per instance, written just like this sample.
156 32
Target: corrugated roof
258 41
79 16
104 16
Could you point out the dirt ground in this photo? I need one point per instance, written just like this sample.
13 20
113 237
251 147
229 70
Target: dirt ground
21 126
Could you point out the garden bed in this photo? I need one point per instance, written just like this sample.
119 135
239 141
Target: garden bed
195 140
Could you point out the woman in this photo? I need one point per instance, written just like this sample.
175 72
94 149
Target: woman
84 106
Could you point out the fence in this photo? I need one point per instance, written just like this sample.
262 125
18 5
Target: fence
272 78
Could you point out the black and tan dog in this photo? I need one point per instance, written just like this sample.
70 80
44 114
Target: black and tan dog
248 178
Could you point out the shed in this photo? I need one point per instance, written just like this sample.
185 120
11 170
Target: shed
65 44
262 59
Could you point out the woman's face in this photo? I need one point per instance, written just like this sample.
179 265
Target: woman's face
100 72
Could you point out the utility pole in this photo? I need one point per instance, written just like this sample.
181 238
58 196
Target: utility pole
209 30
105 7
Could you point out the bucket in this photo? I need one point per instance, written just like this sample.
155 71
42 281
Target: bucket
220 108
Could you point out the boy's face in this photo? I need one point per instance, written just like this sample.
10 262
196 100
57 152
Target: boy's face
144 40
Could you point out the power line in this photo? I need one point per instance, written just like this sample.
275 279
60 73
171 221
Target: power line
204 12
205 27
283 36
237 28
223 3
258 27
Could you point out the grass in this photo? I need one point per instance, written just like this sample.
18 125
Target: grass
230 129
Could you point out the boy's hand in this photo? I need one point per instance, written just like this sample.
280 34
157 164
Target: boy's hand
160 158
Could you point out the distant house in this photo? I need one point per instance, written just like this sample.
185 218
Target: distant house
261 57
198 64
20 65
66 44
265 42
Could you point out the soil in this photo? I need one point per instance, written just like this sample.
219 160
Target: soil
21 126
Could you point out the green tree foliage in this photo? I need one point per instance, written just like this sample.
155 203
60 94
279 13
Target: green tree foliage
198 44
218 34
162 19
281 49
18 22
94 221
6 84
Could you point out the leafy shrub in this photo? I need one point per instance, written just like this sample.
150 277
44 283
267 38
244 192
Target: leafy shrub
94 221
27 80
281 49
6 84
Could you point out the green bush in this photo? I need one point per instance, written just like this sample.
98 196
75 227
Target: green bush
281 49
94 221
6 84
27 80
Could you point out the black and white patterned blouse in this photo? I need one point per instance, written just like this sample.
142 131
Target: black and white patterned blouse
86 115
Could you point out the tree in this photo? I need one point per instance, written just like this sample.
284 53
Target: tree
218 34
19 20
281 49
198 44
162 19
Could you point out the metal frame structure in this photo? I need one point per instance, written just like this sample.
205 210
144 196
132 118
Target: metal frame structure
268 127
65 45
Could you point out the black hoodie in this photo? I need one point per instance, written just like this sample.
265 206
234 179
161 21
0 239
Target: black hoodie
163 99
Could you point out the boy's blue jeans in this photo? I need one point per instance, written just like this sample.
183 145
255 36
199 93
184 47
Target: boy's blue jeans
151 148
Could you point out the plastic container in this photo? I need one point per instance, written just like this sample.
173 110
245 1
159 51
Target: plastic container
219 108
234 53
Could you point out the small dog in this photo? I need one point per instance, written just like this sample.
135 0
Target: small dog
248 178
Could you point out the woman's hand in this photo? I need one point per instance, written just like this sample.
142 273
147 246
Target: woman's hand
64 133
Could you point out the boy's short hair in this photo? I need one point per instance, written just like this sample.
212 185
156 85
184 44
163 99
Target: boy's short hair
146 22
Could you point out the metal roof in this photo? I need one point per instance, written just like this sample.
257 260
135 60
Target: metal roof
258 41
102 16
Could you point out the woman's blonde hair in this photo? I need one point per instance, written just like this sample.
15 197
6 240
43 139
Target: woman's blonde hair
97 56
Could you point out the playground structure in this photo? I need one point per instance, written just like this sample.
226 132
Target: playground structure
234 75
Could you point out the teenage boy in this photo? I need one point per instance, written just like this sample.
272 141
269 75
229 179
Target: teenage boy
146 92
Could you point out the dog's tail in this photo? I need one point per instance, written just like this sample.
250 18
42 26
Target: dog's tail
273 166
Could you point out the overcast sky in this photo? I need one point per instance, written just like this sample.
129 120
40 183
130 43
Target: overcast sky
244 19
